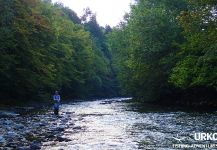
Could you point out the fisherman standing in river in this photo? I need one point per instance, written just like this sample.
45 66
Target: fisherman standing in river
56 98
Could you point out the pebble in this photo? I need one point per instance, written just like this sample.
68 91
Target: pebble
35 146
2 139
42 124
19 126
24 148
8 122
12 134
26 132
71 124
8 114
68 113
61 139
60 129
77 128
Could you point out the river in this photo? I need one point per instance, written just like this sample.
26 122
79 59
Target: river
116 124
107 124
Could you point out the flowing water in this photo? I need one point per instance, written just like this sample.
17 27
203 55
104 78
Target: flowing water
116 124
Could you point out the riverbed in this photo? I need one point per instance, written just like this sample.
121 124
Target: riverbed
114 124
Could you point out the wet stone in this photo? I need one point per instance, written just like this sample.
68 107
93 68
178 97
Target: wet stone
35 145
24 148
27 131
42 124
69 113
77 128
8 122
12 145
50 136
61 139
8 114
11 134
2 139
59 129
19 126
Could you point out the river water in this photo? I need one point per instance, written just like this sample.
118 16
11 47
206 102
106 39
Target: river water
117 124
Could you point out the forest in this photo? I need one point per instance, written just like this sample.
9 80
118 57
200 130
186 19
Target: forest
46 47
166 52
163 51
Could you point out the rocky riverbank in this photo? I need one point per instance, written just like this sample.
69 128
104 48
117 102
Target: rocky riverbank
29 131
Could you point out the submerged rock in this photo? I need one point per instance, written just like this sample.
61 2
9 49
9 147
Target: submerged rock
77 128
2 139
8 114
19 126
8 122
35 145
27 131
41 124
12 134
24 148
61 139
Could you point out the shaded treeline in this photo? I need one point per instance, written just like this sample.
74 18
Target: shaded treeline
166 51
46 47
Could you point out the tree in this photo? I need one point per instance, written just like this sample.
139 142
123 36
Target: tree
196 69
150 37
197 66
44 48
27 70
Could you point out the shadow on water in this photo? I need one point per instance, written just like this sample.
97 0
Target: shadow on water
149 107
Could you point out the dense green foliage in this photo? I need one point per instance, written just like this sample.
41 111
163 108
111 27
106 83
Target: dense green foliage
106 77
163 51
198 63
166 50
44 47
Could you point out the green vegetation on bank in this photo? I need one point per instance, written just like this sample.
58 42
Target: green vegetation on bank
46 47
166 51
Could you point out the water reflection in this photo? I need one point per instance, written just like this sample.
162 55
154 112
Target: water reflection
110 124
